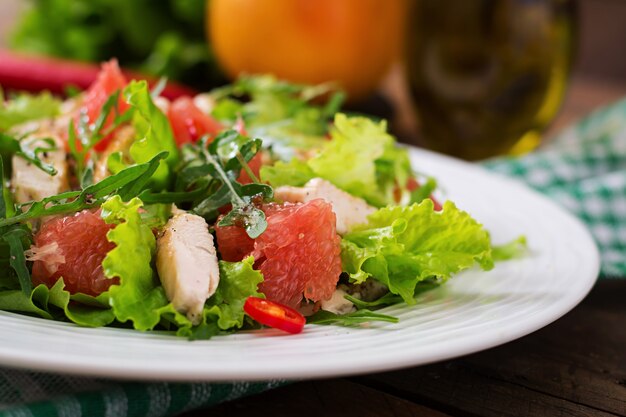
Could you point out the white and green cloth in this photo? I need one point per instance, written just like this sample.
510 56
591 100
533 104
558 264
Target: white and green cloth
583 169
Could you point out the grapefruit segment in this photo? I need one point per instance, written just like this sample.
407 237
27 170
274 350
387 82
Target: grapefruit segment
109 80
189 123
298 254
73 247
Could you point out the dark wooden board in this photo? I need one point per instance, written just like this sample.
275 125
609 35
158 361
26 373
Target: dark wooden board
324 398
573 367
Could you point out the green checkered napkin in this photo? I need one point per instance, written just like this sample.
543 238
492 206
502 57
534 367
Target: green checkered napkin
584 169
35 394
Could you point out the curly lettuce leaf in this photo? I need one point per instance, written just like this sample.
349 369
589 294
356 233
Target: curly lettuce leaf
361 158
56 302
223 312
294 172
139 294
401 246
154 129
25 107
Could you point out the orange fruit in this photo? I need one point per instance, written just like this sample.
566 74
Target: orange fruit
352 42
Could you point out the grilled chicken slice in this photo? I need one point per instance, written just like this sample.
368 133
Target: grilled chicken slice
349 210
187 264
31 183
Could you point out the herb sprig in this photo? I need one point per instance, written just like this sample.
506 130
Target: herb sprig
126 183
208 180
82 138
19 146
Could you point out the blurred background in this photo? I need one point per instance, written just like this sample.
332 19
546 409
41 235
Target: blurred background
169 38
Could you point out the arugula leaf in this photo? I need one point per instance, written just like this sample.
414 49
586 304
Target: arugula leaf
208 179
423 191
390 298
244 212
139 294
401 246
24 107
15 238
92 196
353 319
82 138
12 146
154 129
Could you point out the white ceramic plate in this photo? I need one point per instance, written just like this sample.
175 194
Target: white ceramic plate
475 310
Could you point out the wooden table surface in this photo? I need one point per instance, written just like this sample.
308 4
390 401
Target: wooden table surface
573 367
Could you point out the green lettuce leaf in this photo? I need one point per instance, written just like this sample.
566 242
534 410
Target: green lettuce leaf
223 312
154 129
56 302
401 246
514 249
361 158
139 294
25 107
295 172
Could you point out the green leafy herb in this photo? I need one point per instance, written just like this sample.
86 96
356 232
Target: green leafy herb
124 183
423 191
10 145
354 319
15 238
82 138
208 180
390 298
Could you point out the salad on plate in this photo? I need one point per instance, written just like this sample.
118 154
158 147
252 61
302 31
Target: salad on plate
254 204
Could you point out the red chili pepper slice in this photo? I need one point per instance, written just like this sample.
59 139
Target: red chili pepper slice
274 314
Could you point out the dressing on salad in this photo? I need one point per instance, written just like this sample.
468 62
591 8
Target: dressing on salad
122 208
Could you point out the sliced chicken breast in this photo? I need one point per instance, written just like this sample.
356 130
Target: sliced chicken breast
187 264
350 210
30 183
